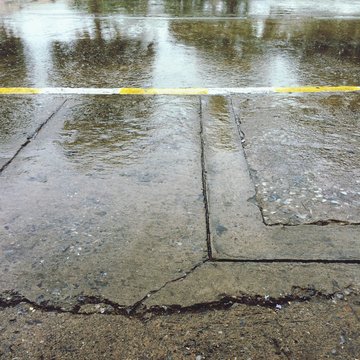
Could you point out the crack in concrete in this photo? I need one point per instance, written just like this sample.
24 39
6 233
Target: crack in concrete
298 295
32 136
318 223
205 183
290 261
12 298
139 303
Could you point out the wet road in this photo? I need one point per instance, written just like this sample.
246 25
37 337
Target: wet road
117 196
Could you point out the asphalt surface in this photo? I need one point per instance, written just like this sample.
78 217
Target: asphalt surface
179 226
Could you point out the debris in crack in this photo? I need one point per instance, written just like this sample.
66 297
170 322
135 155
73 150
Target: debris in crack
90 305
205 183
318 223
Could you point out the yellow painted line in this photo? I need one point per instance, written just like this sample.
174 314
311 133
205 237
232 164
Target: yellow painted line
177 91
317 89
19 90
153 91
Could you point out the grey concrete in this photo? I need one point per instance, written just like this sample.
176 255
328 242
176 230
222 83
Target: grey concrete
257 280
109 213
304 157
106 201
236 224
20 118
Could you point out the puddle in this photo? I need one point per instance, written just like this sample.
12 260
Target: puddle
99 44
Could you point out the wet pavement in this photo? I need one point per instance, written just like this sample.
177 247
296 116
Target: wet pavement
114 190
148 205
304 157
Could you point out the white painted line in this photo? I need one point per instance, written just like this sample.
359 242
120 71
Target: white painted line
243 90
79 91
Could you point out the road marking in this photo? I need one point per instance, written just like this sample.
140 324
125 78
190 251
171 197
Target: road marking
176 91
316 89
153 91
13 90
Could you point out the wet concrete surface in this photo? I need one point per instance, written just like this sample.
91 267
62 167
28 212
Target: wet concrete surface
304 157
157 227
107 205
239 228
21 118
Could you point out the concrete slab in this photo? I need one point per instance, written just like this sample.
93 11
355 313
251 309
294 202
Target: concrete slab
20 117
257 281
303 154
107 201
237 229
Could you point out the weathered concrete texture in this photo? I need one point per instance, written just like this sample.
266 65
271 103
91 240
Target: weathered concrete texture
256 280
236 225
20 117
107 201
318 329
303 153
255 241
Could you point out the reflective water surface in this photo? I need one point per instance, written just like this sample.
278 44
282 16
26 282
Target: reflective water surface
165 43
103 132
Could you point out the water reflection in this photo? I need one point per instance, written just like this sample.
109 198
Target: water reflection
274 53
207 8
337 38
105 58
78 43
239 8
101 132
263 8
12 58
133 7
236 53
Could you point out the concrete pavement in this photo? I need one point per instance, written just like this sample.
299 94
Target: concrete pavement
180 226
